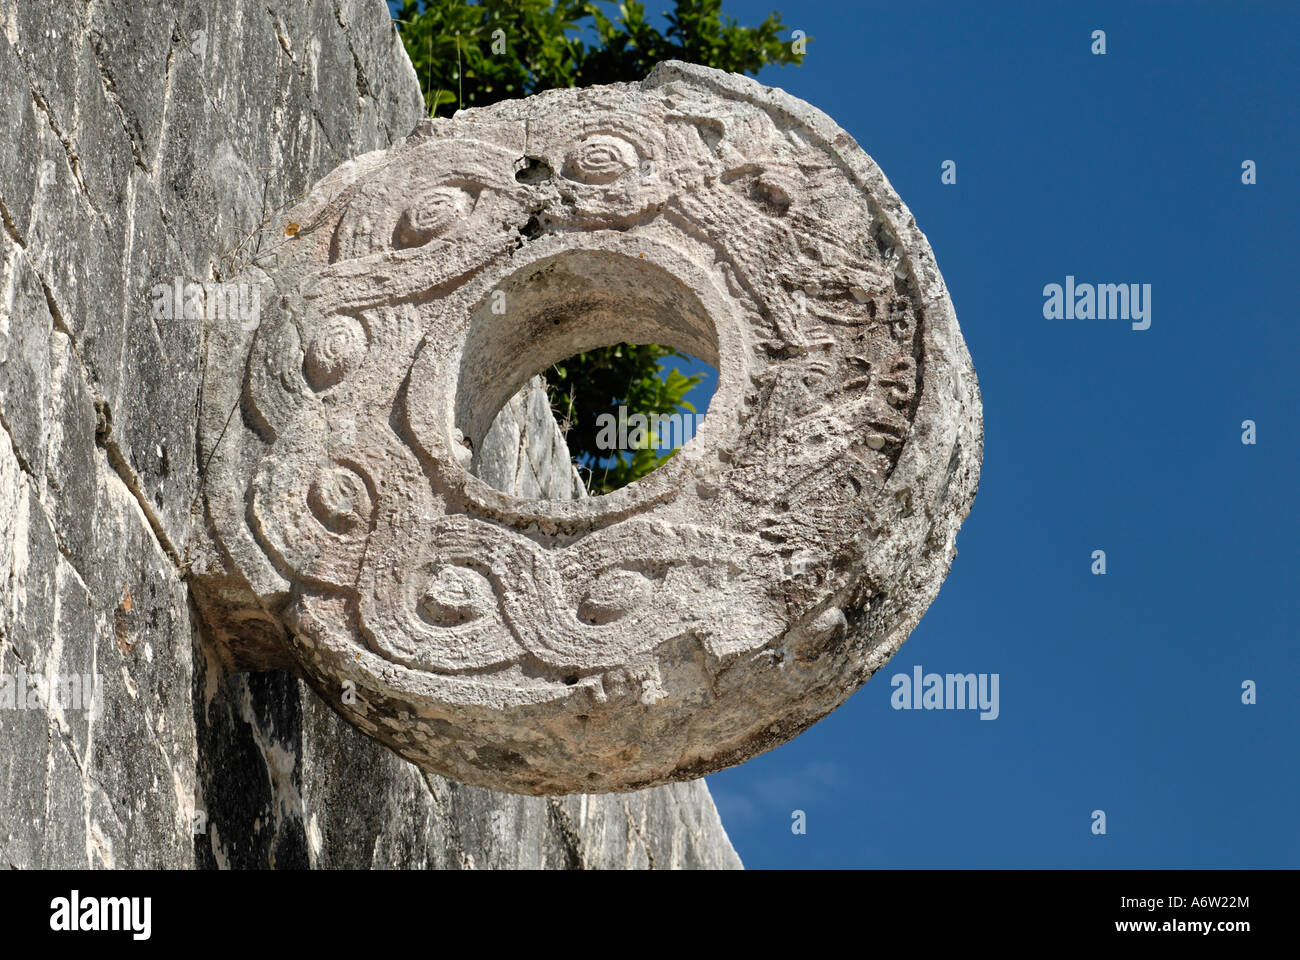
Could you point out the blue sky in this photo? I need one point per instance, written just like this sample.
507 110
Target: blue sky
1119 692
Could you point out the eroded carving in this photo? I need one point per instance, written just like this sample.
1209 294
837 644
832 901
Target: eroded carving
681 624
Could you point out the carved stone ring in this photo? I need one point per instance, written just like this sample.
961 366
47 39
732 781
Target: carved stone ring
684 623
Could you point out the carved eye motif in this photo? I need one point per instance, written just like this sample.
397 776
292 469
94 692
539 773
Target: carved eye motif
613 596
430 216
600 158
456 595
334 352
340 500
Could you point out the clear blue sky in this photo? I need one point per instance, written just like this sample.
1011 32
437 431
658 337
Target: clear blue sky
1119 692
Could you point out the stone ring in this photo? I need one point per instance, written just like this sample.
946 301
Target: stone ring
708 612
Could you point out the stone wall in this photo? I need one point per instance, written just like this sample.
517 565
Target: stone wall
146 141
524 452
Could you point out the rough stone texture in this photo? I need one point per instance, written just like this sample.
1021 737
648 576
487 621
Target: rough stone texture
706 613
524 454
350 803
296 802
143 141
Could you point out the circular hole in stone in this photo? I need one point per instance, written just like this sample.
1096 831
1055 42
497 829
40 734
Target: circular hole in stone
624 410
588 367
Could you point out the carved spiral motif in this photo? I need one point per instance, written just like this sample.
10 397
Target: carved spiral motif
433 214
457 595
600 158
340 501
334 352
614 596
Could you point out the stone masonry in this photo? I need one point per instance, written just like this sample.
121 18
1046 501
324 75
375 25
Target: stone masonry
146 141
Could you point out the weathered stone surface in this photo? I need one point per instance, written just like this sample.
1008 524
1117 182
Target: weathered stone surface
309 790
684 623
119 170
145 141
523 452
279 770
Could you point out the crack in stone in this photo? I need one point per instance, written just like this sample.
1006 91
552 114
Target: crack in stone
364 88
10 226
635 828
155 174
110 91
74 161
18 454
568 833
277 26
104 439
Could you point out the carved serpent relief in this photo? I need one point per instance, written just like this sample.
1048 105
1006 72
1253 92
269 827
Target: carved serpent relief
675 626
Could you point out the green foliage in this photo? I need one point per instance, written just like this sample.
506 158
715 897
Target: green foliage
543 44
450 43
598 381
